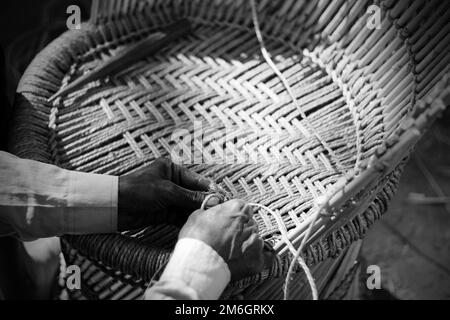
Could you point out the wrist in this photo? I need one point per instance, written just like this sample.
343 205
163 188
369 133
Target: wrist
124 218
199 266
208 240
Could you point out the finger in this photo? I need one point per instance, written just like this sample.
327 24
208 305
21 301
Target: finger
269 259
247 233
252 223
181 197
250 240
239 206
237 209
248 211
251 227
189 179
198 212
253 245
211 201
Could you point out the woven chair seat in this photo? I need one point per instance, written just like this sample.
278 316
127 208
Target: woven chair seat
355 85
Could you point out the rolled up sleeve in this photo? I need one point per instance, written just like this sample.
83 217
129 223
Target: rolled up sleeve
39 200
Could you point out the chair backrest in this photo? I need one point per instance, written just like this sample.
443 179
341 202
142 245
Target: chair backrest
352 73
357 69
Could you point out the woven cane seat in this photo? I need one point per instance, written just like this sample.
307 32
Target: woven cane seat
355 85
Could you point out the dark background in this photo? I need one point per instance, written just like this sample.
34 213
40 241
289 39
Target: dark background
411 244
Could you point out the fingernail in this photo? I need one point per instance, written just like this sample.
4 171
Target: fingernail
212 185
213 201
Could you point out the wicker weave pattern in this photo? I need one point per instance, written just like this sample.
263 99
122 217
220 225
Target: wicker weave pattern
354 84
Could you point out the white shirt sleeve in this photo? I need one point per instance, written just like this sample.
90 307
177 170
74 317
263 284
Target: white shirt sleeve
195 271
39 200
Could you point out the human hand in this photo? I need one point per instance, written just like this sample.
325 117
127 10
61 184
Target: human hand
162 192
231 231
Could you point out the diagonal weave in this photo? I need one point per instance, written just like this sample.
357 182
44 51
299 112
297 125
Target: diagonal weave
355 85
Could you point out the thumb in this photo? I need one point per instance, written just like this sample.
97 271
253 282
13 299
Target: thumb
181 197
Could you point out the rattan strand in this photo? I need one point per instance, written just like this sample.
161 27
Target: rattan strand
356 86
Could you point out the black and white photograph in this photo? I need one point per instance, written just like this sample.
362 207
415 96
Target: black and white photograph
253 152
